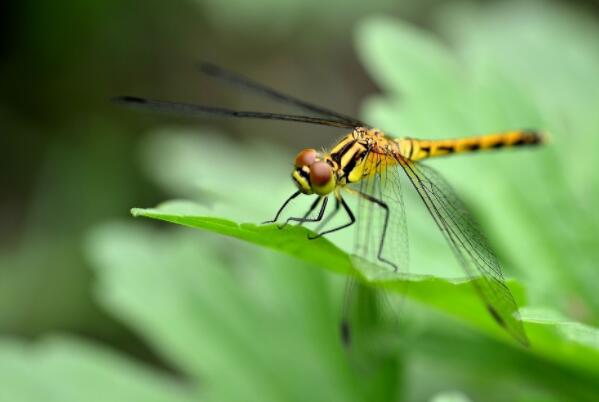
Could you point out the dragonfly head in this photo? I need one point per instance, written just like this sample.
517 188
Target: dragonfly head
312 174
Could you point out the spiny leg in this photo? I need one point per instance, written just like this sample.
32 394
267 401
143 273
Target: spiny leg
312 208
283 207
385 207
350 214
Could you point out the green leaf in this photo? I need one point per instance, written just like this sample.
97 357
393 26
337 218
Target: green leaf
549 337
293 241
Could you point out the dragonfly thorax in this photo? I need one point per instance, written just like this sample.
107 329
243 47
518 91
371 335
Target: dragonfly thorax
312 173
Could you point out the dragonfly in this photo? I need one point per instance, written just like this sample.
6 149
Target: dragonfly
368 164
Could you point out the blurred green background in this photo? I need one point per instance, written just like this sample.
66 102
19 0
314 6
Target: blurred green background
97 306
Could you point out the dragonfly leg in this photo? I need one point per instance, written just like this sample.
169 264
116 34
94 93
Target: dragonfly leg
276 218
350 214
326 220
312 208
385 207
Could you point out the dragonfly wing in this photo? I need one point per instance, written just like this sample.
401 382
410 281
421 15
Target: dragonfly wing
468 244
381 242
203 111
222 74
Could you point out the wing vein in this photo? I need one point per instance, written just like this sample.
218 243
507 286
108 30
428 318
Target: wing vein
468 244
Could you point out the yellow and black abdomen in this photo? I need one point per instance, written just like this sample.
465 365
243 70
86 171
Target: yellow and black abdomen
416 150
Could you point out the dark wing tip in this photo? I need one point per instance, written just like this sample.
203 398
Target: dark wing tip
520 336
345 332
496 316
128 100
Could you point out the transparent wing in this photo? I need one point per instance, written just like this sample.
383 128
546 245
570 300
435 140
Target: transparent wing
189 109
381 242
222 74
468 244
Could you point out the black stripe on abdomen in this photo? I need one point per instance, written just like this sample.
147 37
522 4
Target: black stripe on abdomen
448 149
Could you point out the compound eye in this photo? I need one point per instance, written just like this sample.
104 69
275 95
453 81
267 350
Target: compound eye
306 157
321 178
320 173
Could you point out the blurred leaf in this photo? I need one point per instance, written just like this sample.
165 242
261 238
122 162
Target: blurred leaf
249 333
282 18
66 369
451 397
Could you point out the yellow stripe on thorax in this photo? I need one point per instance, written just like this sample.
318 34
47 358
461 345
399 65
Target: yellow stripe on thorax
421 149
342 144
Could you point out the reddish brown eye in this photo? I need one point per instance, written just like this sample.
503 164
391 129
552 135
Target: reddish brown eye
320 173
306 157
